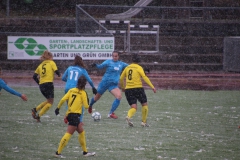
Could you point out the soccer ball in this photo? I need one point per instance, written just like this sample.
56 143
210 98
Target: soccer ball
96 116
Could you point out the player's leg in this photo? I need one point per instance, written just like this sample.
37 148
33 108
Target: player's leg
65 91
132 101
73 122
81 117
82 141
116 92
39 107
47 90
101 89
143 100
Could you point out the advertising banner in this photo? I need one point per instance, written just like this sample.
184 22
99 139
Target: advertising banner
63 48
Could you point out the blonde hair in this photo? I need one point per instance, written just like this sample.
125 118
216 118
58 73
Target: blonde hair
46 55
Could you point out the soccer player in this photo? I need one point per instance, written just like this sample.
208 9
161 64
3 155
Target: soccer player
3 85
72 74
76 98
44 76
109 82
134 90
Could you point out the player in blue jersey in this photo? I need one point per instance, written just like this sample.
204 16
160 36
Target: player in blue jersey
3 85
72 74
109 82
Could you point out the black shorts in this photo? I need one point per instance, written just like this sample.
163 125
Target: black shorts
73 119
47 89
134 94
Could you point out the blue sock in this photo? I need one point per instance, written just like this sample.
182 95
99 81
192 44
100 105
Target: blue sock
81 117
92 102
115 105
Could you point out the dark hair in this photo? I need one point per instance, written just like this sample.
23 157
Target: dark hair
115 52
82 81
78 61
135 58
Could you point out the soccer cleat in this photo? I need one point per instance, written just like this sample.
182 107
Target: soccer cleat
34 112
38 118
144 124
113 115
59 155
88 154
129 122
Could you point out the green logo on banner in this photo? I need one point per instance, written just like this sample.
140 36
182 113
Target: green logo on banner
30 46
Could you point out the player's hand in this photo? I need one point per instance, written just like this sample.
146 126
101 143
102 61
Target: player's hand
57 111
146 70
90 110
93 65
94 90
24 97
65 120
154 90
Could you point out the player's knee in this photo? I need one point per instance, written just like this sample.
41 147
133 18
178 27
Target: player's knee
119 97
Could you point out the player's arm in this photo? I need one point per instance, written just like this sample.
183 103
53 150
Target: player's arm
122 77
35 77
85 100
4 86
146 79
58 73
54 67
65 75
94 90
64 98
103 65
88 78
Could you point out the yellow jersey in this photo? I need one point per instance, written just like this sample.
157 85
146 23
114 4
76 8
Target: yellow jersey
134 73
76 99
46 71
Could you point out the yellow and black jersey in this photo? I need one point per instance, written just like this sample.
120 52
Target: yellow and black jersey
76 99
133 74
46 71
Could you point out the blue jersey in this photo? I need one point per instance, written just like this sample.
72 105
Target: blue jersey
113 70
4 86
71 76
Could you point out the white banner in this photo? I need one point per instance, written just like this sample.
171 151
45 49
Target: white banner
63 48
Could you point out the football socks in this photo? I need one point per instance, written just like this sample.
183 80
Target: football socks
82 141
92 102
144 113
115 105
41 105
45 109
63 142
131 112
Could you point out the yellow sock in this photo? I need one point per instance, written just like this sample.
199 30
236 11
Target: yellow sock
131 112
45 109
63 142
144 113
82 141
41 105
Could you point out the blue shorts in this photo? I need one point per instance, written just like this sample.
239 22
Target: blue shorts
103 86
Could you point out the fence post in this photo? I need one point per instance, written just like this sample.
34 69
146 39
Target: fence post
7 8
